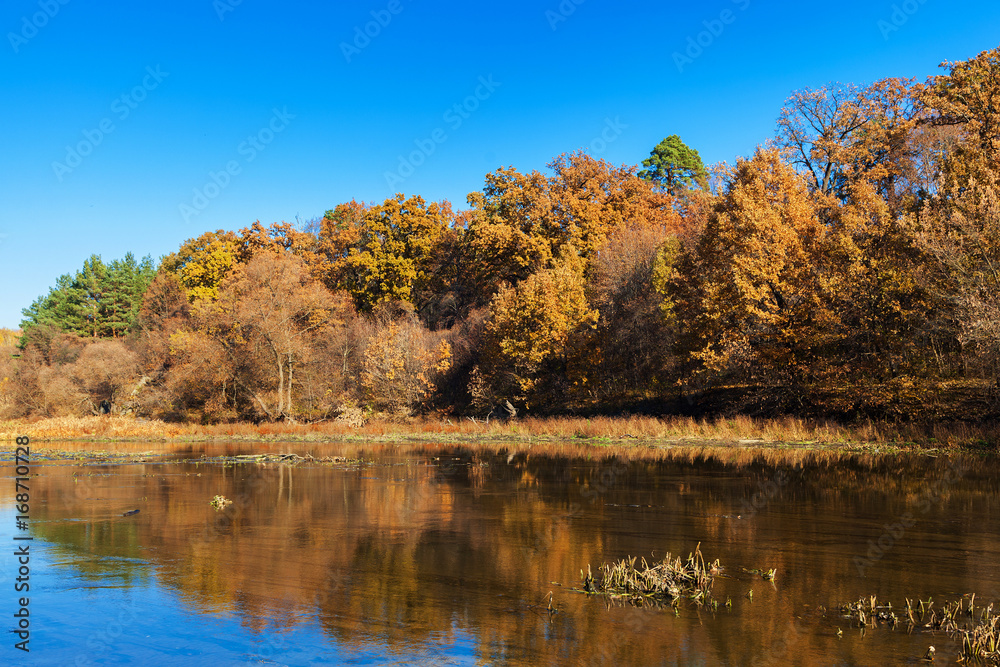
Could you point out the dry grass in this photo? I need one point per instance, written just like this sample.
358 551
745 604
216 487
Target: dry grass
668 580
673 431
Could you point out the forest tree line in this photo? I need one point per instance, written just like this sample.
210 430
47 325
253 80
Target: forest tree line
850 267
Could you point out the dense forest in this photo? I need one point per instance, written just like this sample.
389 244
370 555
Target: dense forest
848 268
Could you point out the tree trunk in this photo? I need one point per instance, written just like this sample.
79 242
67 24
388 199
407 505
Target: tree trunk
289 401
281 384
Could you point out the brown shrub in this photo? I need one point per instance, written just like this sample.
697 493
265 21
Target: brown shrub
106 370
61 395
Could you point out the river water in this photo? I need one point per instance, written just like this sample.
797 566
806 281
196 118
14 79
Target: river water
440 555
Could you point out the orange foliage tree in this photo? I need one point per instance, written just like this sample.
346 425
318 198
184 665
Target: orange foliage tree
762 310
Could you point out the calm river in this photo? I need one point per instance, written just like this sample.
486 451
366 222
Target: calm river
447 556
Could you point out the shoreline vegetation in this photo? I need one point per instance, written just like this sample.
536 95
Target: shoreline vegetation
845 271
634 432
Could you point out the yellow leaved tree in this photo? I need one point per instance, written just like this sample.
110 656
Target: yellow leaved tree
394 250
535 336
201 264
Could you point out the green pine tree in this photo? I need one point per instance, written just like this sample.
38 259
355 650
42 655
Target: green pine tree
674 166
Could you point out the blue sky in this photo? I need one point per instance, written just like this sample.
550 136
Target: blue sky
134 126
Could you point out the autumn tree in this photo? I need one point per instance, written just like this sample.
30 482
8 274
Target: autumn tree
674 166
266 317
520 221
592 199
511 231
106 370
761 314
394 250
165 310
199 383
276 238
968 97
201 264
8 370
892 329
958 225
960 229
402 362
630 287
534 337
336 234
70 378
841 134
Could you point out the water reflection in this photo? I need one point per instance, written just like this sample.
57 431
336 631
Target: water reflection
447 556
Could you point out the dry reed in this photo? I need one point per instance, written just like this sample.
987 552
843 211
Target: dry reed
980 638
672 431
667 581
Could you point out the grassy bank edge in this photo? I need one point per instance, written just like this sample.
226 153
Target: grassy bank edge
634 430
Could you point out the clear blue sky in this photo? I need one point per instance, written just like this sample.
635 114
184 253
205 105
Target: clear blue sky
191 87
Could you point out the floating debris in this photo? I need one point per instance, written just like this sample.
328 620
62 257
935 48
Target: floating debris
220 502
130 513
666 581
766 575
288 459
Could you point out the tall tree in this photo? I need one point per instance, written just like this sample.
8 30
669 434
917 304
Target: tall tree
763 313
533 336
674 166
629 287
394 251
99 301
127 281
266 316
841 134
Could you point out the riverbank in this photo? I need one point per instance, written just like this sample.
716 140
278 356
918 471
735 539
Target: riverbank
649 431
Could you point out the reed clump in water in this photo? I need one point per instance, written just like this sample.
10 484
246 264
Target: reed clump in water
220 503
667 581
980 637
